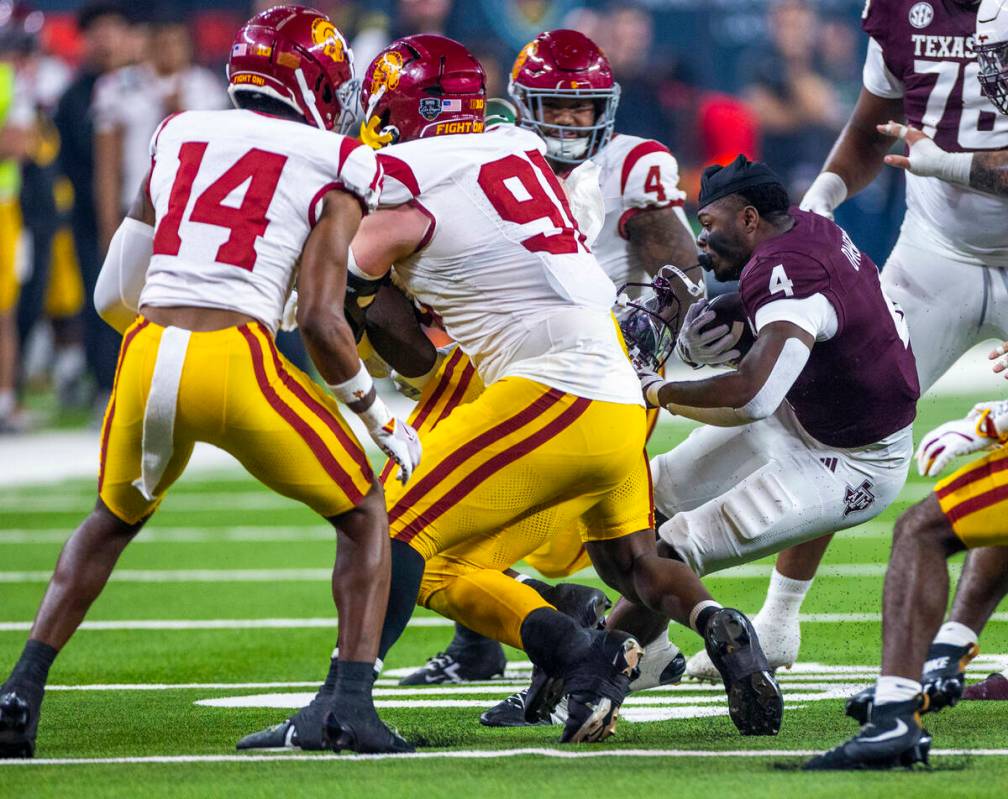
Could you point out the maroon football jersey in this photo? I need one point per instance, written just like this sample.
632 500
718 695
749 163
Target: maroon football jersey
928 45
860 385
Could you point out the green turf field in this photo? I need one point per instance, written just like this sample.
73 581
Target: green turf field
219 621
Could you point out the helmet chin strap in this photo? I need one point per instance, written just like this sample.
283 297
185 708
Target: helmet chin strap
309 99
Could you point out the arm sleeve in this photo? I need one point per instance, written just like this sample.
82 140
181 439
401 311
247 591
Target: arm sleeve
121 280
815 315
876 75
790 363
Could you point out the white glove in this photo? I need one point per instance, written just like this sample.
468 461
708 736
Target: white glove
288 319
982 428
827 191
925 158
650 382
710 347
1000 357
394 437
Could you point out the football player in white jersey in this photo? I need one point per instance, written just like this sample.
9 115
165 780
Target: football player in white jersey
564 88
949 268
480 231
236 206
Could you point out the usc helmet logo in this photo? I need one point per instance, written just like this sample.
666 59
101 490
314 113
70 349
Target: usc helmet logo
387 72
324 33
526 52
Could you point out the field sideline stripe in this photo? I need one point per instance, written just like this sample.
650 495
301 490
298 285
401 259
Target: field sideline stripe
463 754
312 575
326 622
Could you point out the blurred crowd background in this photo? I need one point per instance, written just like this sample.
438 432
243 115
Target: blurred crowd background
84 84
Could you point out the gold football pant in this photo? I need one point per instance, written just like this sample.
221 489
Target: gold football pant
500 475
237 392
975 500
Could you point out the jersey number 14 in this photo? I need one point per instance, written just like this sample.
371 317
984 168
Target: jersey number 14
246 222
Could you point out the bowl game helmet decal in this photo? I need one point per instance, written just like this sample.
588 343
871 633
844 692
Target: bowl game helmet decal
565 65
419 86
297 56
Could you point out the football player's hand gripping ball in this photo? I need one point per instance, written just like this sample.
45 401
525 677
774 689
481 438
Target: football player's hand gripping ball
699 347
1000 357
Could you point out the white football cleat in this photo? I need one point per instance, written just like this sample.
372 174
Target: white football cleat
662 664
780 639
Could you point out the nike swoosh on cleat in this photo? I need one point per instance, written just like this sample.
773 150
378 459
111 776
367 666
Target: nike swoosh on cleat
901 729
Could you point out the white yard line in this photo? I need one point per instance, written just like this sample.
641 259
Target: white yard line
181 535
459 754
183 502
323 621
310 575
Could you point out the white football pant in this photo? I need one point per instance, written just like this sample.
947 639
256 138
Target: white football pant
950 305
735 494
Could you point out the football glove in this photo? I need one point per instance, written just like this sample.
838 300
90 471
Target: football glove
1000 357
396 439
827 191
650 382
985 426
698 347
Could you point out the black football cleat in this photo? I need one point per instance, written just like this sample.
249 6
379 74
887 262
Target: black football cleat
462 661
509 712
755 703
892 737
19 717
303 730
356 727
586 605
943 681
597 686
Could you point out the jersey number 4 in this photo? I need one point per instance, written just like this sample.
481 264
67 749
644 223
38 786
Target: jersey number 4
513 185
246 222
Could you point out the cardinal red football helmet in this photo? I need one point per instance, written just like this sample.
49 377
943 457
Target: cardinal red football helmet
564 65
297 56
419 86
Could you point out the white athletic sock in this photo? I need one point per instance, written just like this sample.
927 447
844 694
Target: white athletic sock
784 597
895 689
956 634
659 644
700 607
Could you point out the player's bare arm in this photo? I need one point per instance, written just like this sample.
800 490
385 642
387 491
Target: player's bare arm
657 237
753 391
395 333
386 236
989 172
856 157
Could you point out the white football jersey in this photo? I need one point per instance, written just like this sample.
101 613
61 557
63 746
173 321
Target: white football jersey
235 195
504 266
635 174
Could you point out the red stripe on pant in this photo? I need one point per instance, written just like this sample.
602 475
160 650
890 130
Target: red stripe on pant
455 459
299 425
487 470
650 491
421 413
977 503
321 412
979 473
456 398
115 387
